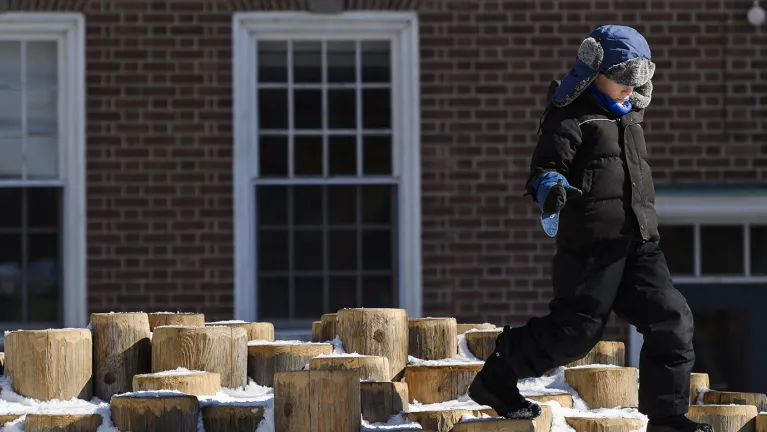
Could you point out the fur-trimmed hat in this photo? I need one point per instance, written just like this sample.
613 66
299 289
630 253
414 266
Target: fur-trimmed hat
620 53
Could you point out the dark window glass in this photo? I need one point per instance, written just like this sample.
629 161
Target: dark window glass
677 243
721 250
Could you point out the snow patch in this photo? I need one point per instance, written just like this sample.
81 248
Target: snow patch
463 348
227 322
452 361
177 371
394 423
283 342
463 402
343 355
551 384
594 366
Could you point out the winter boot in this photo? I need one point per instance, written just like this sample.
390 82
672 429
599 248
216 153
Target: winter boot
496 386
678 423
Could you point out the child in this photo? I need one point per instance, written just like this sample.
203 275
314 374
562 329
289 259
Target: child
589 174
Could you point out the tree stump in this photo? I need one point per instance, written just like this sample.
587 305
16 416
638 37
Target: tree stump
761 422
316 326
222 350
605 387
375 368
481 343
155 411
443 420
540 424
697 381
463 328
321 401
381 400
759 400
266 359
121 349
255 330
741 418
432 338
62 422
328 327
564 399
190 319
50 364
377 332
604 352
604 424
195 383
232 418
440 383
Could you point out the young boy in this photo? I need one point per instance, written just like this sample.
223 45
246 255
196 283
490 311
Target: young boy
589 174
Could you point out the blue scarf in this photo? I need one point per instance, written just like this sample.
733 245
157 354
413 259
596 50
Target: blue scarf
615 107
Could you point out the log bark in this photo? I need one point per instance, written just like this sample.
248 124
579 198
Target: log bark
2 363
193 383
741 418
604 352
316 326
222 350
381 400
432 338
482 343
463 328
761 422
265 360
377 332
121 349
759 400
255 330
328 327
50 364
8 418
539 424
432 384
697 381
564 399
605 387
151 413
317 401
585 424
62 423
158 319
374 368
232 418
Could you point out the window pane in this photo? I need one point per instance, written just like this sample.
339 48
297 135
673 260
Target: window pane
307 205
273 250
10 278
376 107
342 155
10 97
307 62
342 205
273 156
343 292
10 203
11 155
376 62
308 109
377 155
273 297
377 204
42 158
42 64
677 243
377 291
42 88
42 281
722 348
377 246
272 205
272 61
343 249
307 248
342 109
308 300
721 250
759 250
341 62
273 109
308 155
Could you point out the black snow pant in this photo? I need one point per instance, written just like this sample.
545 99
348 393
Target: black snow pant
631 278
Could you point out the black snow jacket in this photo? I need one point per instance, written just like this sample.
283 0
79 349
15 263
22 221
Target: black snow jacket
605 156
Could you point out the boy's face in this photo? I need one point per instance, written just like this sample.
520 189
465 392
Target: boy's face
618 92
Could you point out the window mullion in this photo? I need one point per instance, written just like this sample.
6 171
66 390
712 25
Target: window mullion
358 96
747 249
696 250
291 113
24 110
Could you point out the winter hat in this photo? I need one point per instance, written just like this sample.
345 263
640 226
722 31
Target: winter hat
620 53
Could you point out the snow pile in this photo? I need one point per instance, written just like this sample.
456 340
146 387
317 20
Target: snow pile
395 423
463 402
227 322
452 361
283 342
463 348
177 371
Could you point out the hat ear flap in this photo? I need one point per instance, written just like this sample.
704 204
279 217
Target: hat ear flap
591 53
642 95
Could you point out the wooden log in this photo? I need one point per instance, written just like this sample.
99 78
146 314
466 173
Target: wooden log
190 319
604 352
121 349
439 383
375 368
62 422
7 418
432 338
604 424
266 359
328 327
605 387
698 381
316 326
317 400
725 418
381 400
197 383
255 330
481 343
540 424
222 350
463 328
377 332
564 399
232 418
155 411
50 364
444 420
761 422
759 400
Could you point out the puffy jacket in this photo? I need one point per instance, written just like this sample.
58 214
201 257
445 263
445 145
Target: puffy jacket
605 156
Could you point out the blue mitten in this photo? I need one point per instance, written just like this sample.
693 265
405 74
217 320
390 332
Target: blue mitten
552 192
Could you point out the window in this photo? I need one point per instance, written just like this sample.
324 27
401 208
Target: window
327 185
42 171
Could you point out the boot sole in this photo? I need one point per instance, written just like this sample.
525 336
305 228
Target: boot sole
481 395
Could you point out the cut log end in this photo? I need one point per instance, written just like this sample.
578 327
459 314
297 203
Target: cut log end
698 381
432 338
190 319
196 383
139 412
463 328
433 384
724 417
374 368
605 387
482 343
604 424
265 360
316 326
381 400
228 418
255 330
378 332
328 327
604 352
540 424
62 422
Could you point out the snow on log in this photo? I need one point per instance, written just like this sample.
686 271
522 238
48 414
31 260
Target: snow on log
564 399
223 350
761 422
190 319
328 327
316 326
741 418
605 387
432 338
266 359
50 364
463 328
759 400
255 330
317 400
62 422
604 424
232 418
377 332
121 349
604 352
195 383
697 381
443 420
374 368
439 383
155 411
381 400
497 424
2 362
482 343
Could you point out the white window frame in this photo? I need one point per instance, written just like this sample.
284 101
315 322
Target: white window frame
399 27
69 30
